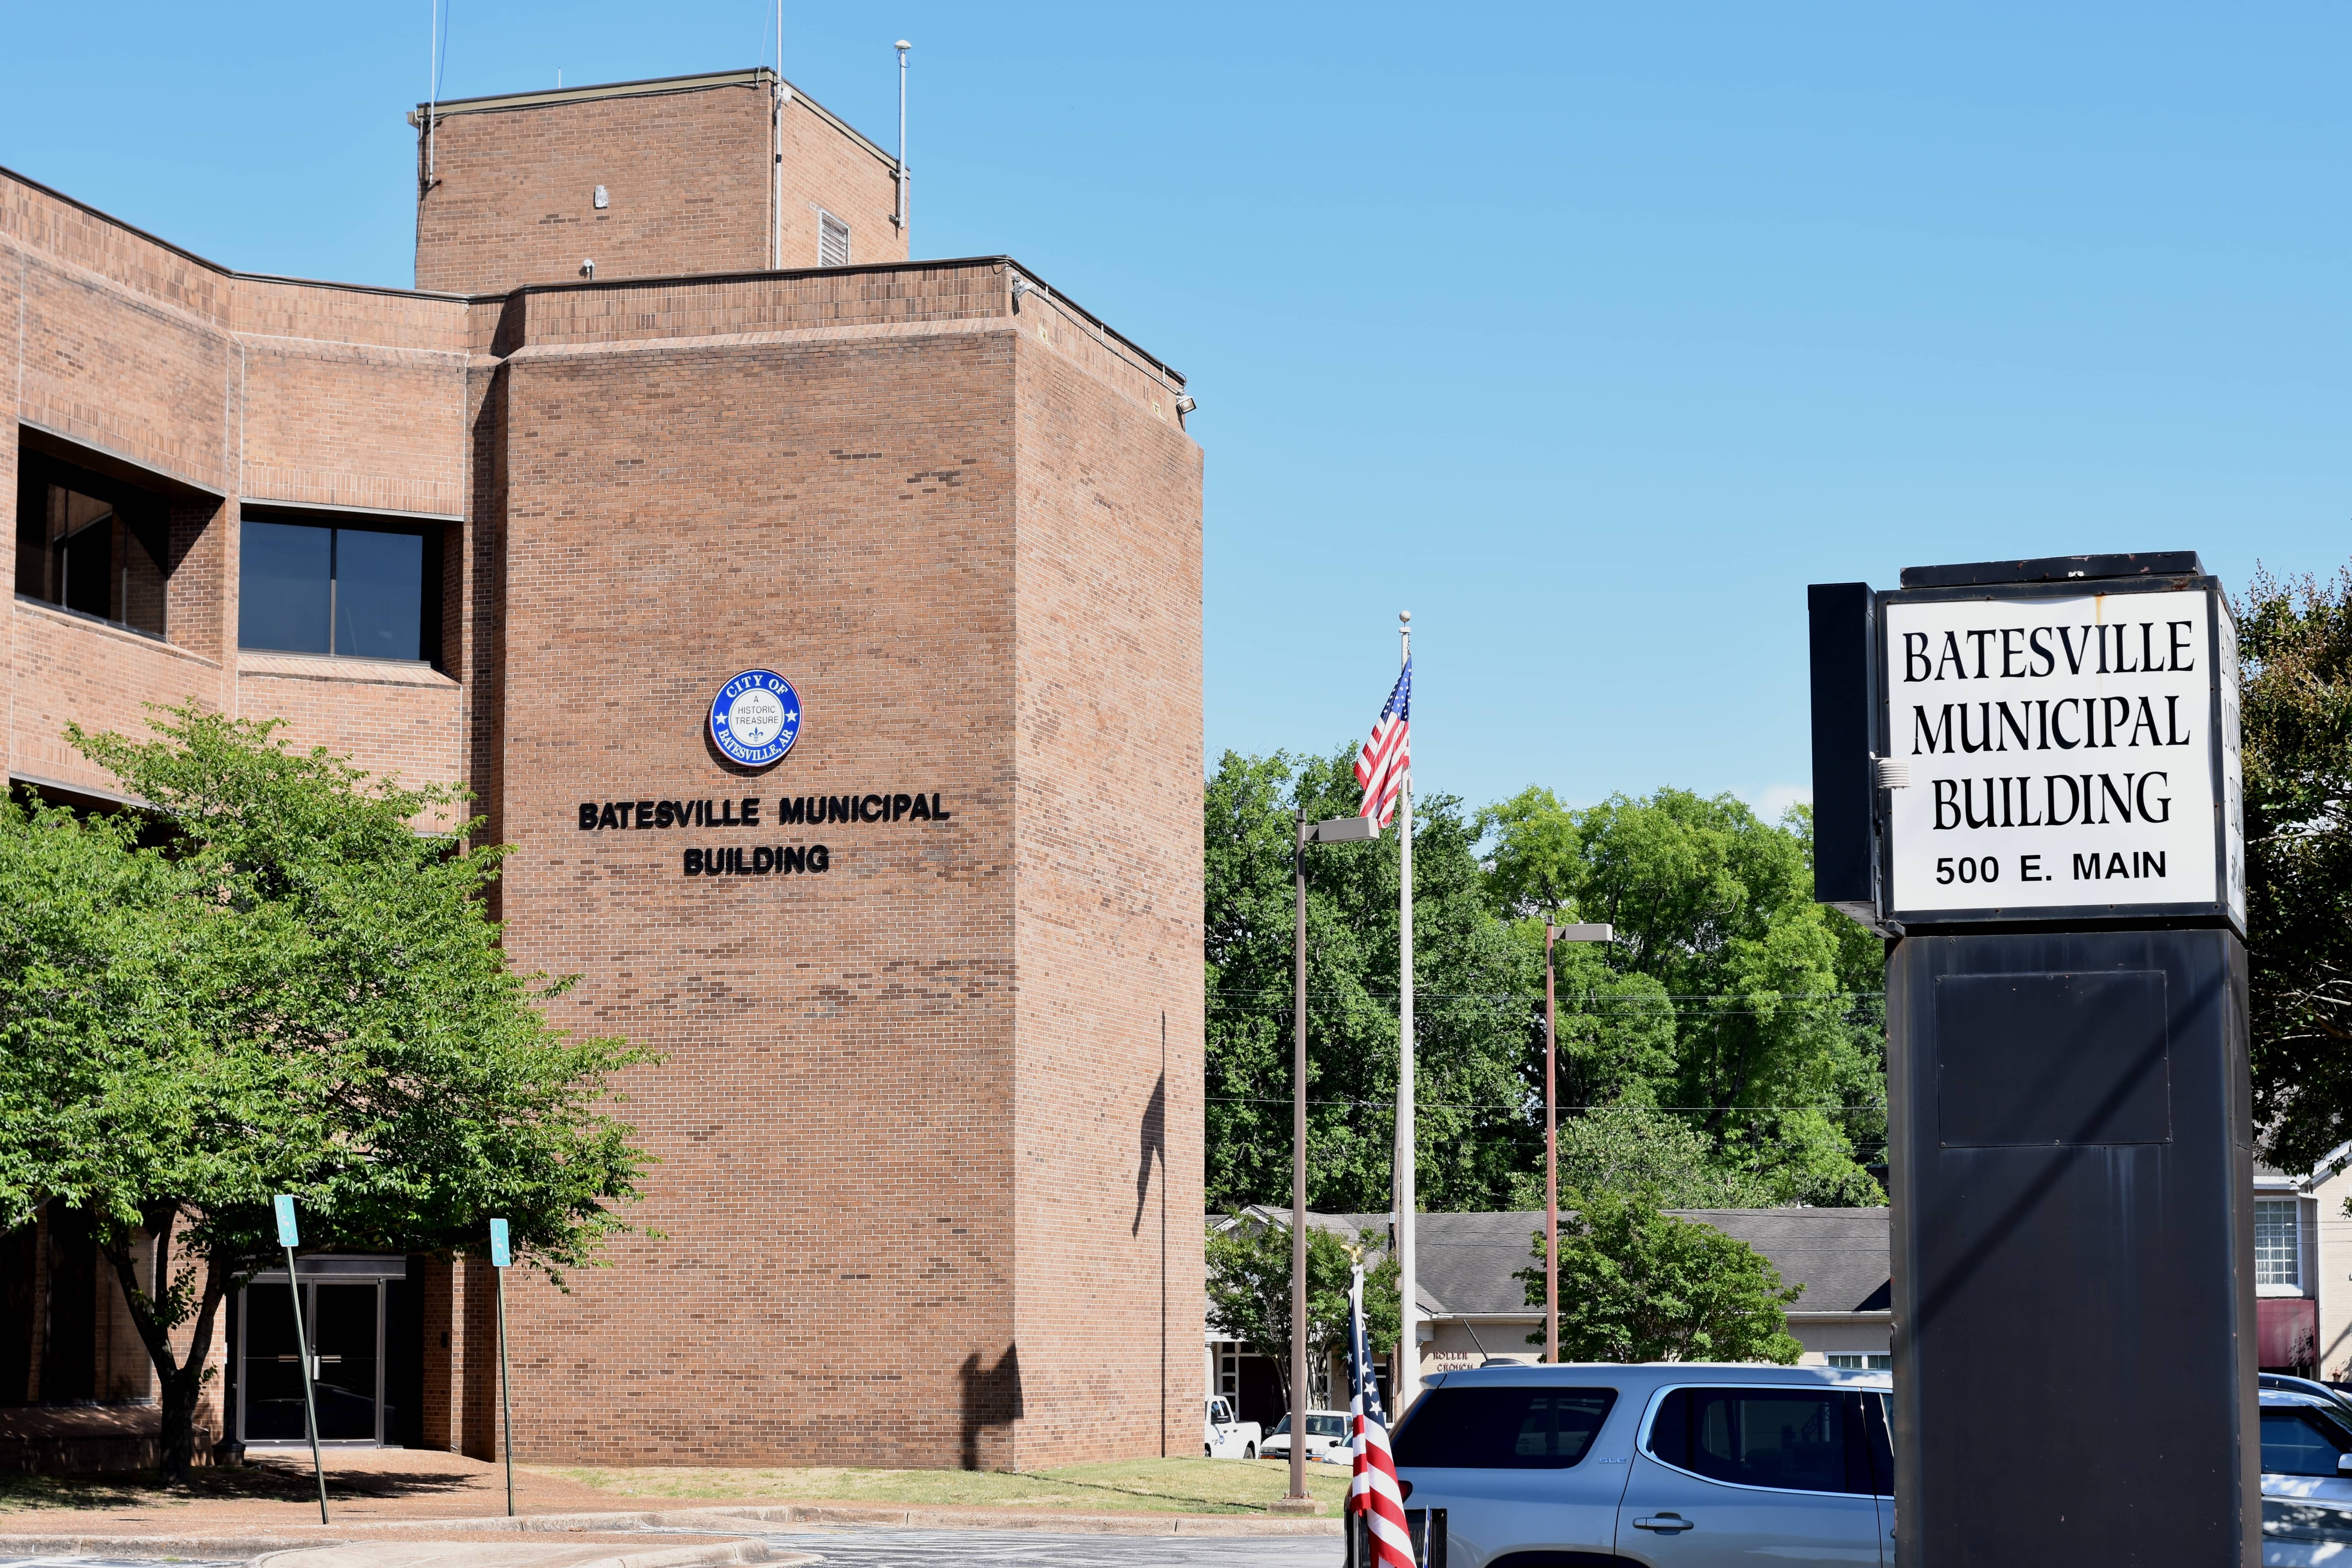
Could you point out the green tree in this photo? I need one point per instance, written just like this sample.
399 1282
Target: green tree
291 989
1249 1289
1636 1284
1756 1012
2295 641
1635 1150
1473 1057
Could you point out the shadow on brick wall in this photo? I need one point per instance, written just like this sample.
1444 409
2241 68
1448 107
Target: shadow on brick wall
992 1397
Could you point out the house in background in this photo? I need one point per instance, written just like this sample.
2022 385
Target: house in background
2302 1238
1474 1307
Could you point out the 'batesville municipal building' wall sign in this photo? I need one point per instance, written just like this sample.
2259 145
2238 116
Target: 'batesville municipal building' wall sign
754 720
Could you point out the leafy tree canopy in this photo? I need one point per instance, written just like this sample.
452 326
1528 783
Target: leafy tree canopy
1636 1284
284 988
2295 641
1732 1005
1472 985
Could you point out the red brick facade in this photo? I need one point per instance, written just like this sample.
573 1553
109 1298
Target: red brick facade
929 1122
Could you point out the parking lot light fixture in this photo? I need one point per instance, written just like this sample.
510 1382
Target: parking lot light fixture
1338 830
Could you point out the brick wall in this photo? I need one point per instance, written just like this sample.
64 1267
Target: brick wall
688 168
917 1120
1109 878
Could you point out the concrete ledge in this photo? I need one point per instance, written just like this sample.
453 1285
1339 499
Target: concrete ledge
321 1549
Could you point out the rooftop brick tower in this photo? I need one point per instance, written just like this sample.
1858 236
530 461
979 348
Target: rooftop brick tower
733 171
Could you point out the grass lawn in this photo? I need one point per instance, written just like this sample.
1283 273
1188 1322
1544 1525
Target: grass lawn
1156 1485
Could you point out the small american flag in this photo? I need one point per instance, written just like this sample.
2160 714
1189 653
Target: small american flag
1387 756
1373 1492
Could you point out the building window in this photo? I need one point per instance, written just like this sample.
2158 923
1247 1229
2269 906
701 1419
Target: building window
2278 1243
1851 1361
832 240
90 545
350 593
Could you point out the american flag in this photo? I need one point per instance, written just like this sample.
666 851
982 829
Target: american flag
1387 756
1373 1492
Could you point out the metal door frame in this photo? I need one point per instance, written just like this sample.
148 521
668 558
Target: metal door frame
323 1269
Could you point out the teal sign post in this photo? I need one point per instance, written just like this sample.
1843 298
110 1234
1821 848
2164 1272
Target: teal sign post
289 1237
501 1260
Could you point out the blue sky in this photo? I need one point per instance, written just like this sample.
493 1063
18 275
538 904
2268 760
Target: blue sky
1591 335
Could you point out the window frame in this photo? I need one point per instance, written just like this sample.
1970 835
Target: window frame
1613 1395
1849 1414
2318 1422
432 584
140 510
2293 1205
1864 1357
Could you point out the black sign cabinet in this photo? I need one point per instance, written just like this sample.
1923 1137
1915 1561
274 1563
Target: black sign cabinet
2026 778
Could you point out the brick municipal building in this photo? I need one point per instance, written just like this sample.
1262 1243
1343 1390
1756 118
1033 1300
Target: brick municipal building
670 405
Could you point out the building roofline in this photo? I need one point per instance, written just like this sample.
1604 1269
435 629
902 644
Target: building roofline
225 271
651 86
590 285
1157 363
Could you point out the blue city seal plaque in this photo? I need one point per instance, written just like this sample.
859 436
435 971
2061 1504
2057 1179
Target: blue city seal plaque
755 718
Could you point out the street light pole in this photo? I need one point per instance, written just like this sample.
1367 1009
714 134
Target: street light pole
1341 830
1298 1165
1551 1129
1552 1163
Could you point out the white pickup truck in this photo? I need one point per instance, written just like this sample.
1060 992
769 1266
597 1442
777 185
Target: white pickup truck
1223 1438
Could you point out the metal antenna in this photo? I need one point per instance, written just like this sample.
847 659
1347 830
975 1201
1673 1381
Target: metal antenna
432 79
904 218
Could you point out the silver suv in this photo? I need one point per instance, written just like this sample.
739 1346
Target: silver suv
1675 1465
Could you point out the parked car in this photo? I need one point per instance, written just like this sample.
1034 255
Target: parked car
1327 1430
2317 1390
2306 1477
1672 1465
1224 1438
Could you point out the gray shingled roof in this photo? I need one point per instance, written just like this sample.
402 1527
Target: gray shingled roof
1467 1260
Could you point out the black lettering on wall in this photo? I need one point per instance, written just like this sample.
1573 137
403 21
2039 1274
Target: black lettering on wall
587 816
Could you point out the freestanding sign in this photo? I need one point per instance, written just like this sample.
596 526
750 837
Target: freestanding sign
2071 750
2026 777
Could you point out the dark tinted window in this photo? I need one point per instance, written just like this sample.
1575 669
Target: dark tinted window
1790 1438
378 593
282 586
2297 1443
87 543
1876 1424
1502 1429
355 592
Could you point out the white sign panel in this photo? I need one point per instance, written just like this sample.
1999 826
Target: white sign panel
2062 752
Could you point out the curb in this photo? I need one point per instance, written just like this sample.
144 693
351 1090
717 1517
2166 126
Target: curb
1041 1520
728 1519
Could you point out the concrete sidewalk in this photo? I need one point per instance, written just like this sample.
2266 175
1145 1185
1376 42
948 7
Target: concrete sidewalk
520 1554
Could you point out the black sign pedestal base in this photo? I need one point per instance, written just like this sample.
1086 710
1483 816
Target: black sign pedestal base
2073 1296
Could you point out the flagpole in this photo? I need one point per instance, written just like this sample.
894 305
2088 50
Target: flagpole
1408 1327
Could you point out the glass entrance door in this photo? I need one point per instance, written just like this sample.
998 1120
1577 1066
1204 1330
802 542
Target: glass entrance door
345 1323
